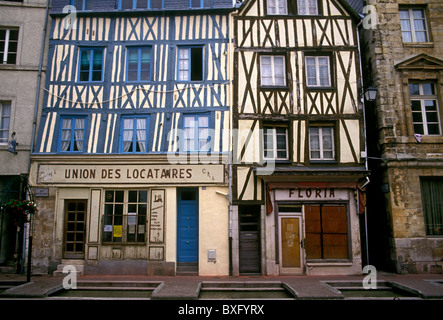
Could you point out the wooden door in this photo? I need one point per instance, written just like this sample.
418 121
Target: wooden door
75 229
290 245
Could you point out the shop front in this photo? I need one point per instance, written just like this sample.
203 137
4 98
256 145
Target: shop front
312 228
131 218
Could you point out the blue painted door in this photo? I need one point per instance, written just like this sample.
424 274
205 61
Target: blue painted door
187 225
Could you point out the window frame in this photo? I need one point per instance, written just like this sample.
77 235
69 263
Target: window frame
135 140
320 126
275 150
317 72
318 3
422 98
277 13
134 5
8 130
189 48
91 64
72 140
8 41
273 56
84 5
124 217
139 61
411 20
196 140
202 4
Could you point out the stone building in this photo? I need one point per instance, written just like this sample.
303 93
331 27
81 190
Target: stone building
22 32
404 60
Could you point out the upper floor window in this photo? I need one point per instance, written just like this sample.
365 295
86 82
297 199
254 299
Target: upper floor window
82 5
190 64
318 73
321 143
196 133
425 110
277 7
140 4
200 3
307 7
275 140
413 25
8 45
72 134
91 64
5 116
134 134
272 71
139 64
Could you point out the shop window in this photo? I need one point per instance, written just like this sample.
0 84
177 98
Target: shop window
326 228
124 218
432 201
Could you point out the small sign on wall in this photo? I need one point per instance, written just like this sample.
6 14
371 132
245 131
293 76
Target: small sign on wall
157 216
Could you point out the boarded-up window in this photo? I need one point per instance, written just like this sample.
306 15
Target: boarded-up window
326 232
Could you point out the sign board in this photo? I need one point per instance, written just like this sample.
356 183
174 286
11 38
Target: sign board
157 216
133 174
41 192
306 194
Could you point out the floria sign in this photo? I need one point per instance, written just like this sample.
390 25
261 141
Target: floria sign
62 174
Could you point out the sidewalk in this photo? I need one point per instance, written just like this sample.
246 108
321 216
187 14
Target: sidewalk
421 286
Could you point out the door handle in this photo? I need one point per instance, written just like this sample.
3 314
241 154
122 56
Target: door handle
302 243
188 218
187 242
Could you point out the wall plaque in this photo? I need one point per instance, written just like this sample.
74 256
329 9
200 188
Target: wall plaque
157 216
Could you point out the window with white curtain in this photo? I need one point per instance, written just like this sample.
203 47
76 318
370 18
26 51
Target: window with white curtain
307 7
413 25
5 117
321 143
196 133
134 134
277 7
272 70
275 142
318 73
72 134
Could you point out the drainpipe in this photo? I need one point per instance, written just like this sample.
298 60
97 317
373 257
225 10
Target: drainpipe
34 127
364 133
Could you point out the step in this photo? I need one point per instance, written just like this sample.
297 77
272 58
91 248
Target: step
77 264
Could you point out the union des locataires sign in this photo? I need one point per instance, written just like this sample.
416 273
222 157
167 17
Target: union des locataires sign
146 174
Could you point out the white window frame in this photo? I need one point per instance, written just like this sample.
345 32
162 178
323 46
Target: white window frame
274 144
272 71
320 143
6 52
305 4
422 98
317 72
276 7
2 103
412 24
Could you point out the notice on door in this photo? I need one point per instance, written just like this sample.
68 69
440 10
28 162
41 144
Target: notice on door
157 215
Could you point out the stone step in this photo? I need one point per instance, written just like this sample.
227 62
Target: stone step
77 264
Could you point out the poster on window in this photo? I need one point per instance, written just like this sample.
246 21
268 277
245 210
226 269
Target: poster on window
157 216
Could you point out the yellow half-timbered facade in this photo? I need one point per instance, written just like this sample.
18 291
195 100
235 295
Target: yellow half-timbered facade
298 159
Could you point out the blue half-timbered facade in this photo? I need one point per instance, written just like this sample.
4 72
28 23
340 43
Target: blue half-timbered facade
133 139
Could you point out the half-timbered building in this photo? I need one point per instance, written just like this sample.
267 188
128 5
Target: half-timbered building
298 157
131 156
